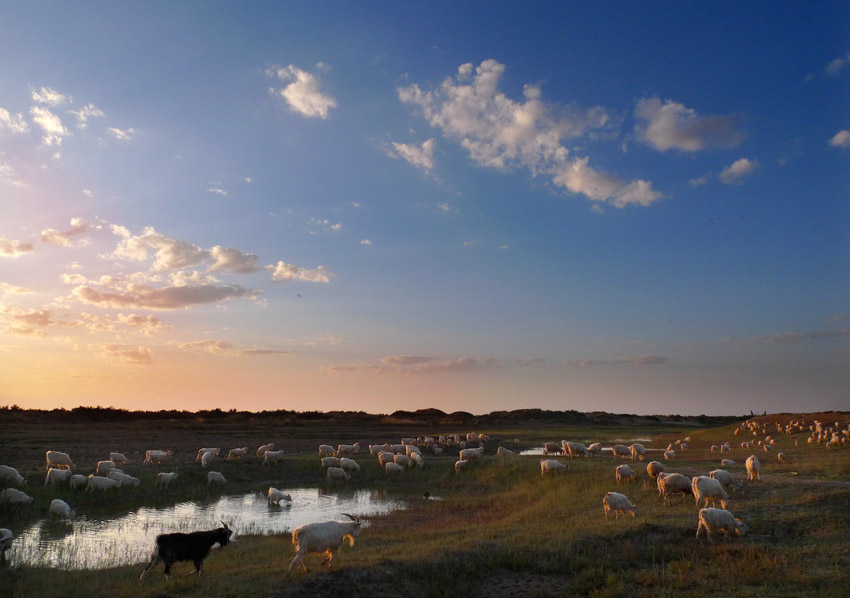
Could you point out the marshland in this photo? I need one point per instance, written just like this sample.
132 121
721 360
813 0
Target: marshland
499 527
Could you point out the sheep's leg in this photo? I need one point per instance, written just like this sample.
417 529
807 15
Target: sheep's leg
154 562
298 559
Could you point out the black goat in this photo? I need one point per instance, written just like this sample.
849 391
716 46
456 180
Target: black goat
171 548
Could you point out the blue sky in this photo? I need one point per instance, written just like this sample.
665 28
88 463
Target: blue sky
631 207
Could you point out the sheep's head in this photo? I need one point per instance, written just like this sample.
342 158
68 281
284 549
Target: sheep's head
226 532
740 527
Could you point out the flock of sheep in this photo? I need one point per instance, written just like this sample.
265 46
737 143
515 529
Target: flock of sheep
339 465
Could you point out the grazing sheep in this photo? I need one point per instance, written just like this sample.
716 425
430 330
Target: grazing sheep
57 459
326 450
104 467
460 466
123 479
625 473
330 462
349 464
385 457
10 475
781 457
595 449
60 509
14 498
550 448
719 520
726 479
6 537
403 460
727 462
204 451
237 453
394 468
56 476
156 456
621 450
264 449
323 538
409 450
345 449
471 454
753 468
504 453
97 482
619 503
417 460
638 452
654 468
78 481
671 483
275 496
552 466
669 455
118 458
709 490
374 449
207 458
272 457
163 480
337 473
214 477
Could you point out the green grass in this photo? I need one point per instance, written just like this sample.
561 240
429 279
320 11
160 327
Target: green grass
500 523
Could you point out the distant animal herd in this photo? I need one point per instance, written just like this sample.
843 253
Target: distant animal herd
325 538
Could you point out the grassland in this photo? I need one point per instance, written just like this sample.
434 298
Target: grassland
499 530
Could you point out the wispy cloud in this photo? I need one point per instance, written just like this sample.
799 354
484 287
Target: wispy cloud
49 96
12 123
302 95
840 139
670 125
85 113
502 133
420 156
414 364
736 171
837 65
225 348
14 249
50 124
52 236
141 296
121 134
124 353
793 338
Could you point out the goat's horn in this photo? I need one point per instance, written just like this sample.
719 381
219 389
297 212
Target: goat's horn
357 519
224 524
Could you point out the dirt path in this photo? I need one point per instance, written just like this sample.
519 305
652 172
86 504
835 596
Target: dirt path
797 480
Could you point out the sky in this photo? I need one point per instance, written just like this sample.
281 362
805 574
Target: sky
629 207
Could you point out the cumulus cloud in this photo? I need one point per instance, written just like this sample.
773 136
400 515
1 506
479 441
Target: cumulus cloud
137 356
841 139
421 156
9 289
121 134
85 113
736 171
48 96
14 249
283 272
73 279
835 67
365 242
51 124
501 133
12 123
226 259
54 237
19 322
302 95
670 125
140 296
405 360
169 253
7 175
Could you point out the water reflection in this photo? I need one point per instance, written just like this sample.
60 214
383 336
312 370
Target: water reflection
99 543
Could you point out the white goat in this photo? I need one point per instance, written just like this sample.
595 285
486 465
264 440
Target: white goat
710 490
713 521
10 475
263 449
625 473
56 476
57 459
164 479
118 458
275 496
215 477
272 457
619 503
552 466
753 468
59 508
123 479
323 538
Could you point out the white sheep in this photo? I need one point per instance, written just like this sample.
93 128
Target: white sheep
727 462
471 454
713 521
726 479
57 459
59 508
263 449
14 498
753 468
208 457
78 481
204 451
10 475
156 456
272 457
349 465
374 449
708 489
164 479
654 468
550 448
337 473
123 479
56 477
504 453
781 457
237 453
621 450
625 473
460 466
330 462
403 460
385 457
275 496
326 450
552 467
595 449
393 468
97 482
409 450
118 458
417 460
345 449
638 452
104 467
619 503
671 483
322 538
6 537
669 455
215 477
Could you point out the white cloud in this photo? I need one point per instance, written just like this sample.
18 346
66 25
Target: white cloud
137 356
227 348
578 177
10 248
76 279
49 96
841 139
227 259
835 67
365 242
736 171
12 123
54 237
283 272
419 156
218 190
139 296
444 207
8 289
793 338
121 135
671 125
499 132
302 95
169 254
699 181
85 113
7 175
51 124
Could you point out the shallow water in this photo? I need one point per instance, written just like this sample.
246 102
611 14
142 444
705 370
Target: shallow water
88 543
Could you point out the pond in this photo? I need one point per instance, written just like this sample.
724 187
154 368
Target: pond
88 543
